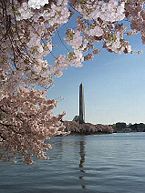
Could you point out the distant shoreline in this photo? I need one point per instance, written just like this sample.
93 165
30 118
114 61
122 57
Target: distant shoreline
88 128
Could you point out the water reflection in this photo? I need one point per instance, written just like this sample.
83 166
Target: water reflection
57 148
82 162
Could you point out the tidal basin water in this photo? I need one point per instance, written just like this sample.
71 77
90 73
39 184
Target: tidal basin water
100 163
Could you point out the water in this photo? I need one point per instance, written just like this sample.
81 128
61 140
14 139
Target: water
101 164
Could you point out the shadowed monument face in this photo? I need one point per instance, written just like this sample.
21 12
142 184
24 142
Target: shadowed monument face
81 105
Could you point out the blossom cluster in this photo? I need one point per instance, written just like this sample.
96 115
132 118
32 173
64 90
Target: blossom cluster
27 121
111 10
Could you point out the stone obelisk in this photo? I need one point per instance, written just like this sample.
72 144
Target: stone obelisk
81 105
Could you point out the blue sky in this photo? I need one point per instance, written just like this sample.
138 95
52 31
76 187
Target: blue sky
114 86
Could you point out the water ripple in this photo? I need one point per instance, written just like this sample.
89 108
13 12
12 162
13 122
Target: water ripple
79 164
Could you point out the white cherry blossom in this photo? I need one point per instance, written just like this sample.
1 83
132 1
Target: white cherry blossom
37 4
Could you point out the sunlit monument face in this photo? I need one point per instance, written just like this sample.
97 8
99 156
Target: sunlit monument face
81 105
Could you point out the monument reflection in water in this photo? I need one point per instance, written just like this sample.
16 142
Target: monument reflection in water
82 162
77 149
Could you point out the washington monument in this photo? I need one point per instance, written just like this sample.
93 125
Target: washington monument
81 105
